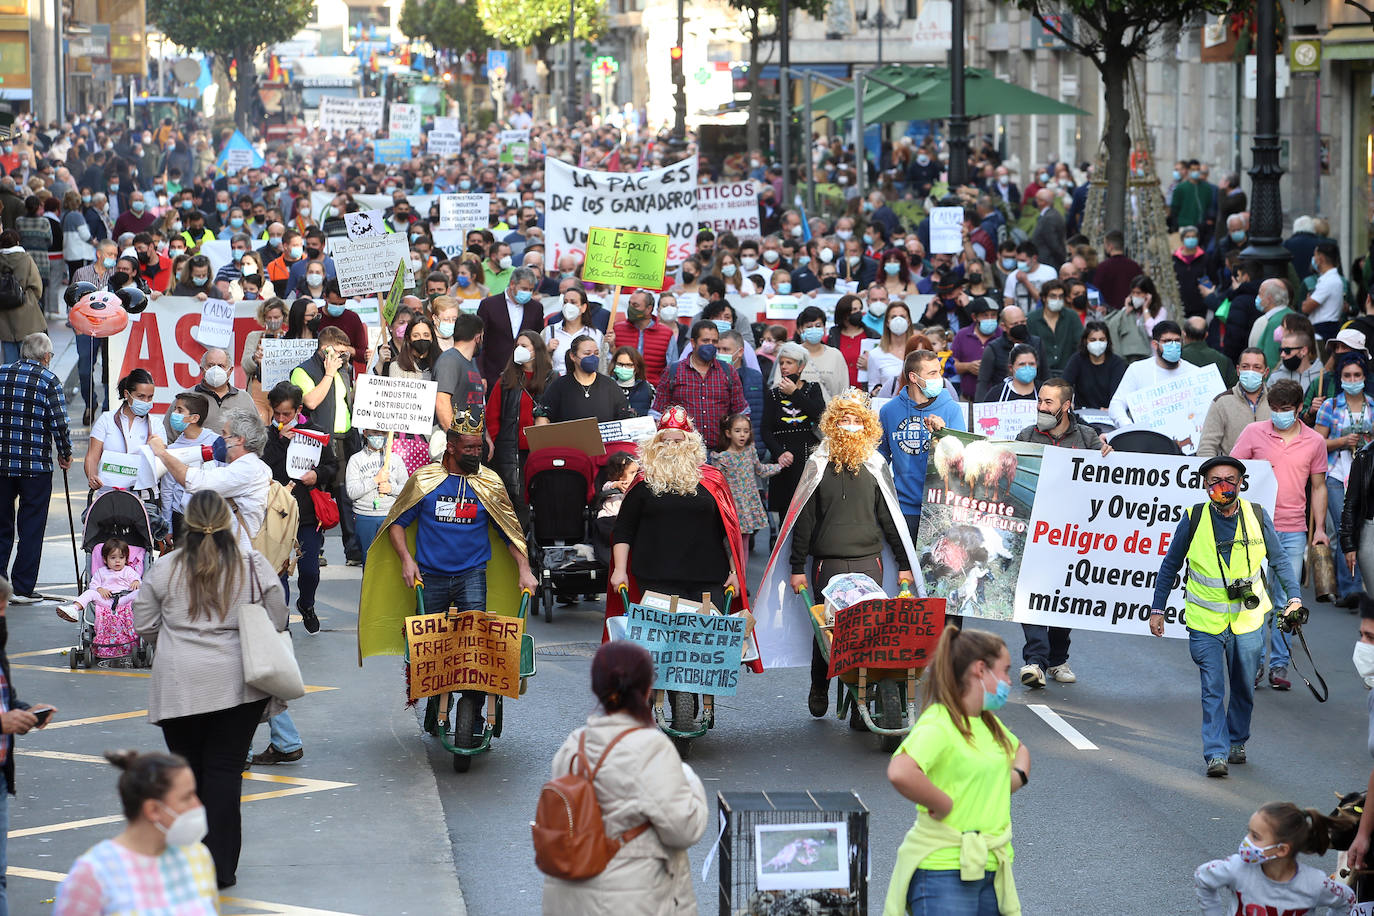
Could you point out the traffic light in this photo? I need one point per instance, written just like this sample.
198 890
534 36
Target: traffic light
675 53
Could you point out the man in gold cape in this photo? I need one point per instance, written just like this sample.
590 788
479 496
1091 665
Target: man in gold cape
388 594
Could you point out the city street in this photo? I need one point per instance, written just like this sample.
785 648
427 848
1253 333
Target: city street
373 820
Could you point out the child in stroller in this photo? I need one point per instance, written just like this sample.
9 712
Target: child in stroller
113 588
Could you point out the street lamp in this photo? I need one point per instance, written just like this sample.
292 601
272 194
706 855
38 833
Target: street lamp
572 62
1266 204
958 122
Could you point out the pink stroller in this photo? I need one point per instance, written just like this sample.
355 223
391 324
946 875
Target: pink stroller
117 514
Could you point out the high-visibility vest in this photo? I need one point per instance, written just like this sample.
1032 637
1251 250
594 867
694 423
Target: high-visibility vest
1204 589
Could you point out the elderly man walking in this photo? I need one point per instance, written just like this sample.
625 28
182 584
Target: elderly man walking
33 418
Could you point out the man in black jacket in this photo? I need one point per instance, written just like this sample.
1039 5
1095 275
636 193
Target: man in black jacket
1244 310
997 354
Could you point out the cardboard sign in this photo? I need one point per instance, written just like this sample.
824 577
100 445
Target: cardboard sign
636 429
339 115
237 159
1003 419
302 455
473 650
121 470
946 230
367 266
1178 407
279 357
396 149
732 207
890 633
394 295
514 147
216 328
618 257
366 224
464 212
662 201
583 435
394 405
404 121
447 125
444 143
699 653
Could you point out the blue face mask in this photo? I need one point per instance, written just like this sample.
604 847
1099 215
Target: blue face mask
812 335
892 268
803 260
868 239
522 296
465 184
1171 351
141 408
932 388
1190 242
1238 236
588 364
1352 387
85 198
136 206
236 222
1008 263
238 254
109 263
187 205
221 206
722 325
1025 374
1251 380
706 353
334 311
1283 419
178 421
783 288
993 701
1176 175
1314 264
199 281
464 281
987 326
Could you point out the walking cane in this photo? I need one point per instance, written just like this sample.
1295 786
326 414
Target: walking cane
71 526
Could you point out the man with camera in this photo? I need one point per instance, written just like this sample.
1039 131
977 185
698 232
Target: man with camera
1225 543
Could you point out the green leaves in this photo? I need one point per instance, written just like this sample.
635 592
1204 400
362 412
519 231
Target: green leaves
228 29
445 24
526 23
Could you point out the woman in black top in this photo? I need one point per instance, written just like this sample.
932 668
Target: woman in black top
1094 371
583 391
195 280
510 409
791 409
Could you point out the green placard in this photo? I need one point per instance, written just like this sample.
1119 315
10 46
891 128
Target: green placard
513 154
619 257
394 295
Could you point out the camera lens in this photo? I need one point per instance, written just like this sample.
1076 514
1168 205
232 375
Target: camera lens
1251 602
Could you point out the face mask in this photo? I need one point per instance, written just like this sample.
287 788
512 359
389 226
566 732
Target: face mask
1282 419
187 205
141 408
899 325
1025 374
274 324
1171 351
465 184
1223 493
136 206
706 353
728 270
179 421
420 347
852 427
1352 387
844 235
892 268
571 311
238 255
589 364
931 389
623 374
923 160
1045 421
783 288
464 281
446 329
85 198
1364 662
688 278
826 256
314 281
1190 243
1054 305
1238 237
469 464
199 281
1020 333
249 270
274 241
114 189
1194 174
376 442
216 376
796 231
993 701
297 252
314 323
722 325
749 263
505 263
1251 854
188 829
236 222
852 260
334 311
828 283
1291 363
522 296
222 207
770 256
868 239
668 313
108 263
1022 265
986 326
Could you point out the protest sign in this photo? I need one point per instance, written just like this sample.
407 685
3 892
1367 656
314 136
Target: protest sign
340 115
303 454
216 328
189 455
279 357
946 230
1003 419
636 429
394 295
396 149
394 405
162 339
662 201
731 207
699 653
366 266
975 512
447 125
1177 407
464 212
889 633
1096 540
121 470
404 121
473 650
237 159
826 302
618 257
366 224
514 147
688 305
784 308
444 143
755 306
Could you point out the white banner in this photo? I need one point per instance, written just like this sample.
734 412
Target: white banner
162 340
367 266
123 471
1178 407
404 122
420 203
237 159
279 357
340 115
732 207
444 143
464 212
663 201
394 405
784 308
1100 528
216 328
1002 419
946 230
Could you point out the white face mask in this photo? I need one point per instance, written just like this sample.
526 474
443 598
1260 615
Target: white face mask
522 355
505 263
668 313
899 325
1364 662
826 255
852 427
216 376
1097 347
189 827
571 311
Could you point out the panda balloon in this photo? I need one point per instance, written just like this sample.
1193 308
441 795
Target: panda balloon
98 312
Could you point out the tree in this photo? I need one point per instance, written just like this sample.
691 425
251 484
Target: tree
1113 35
446 24
753 11
239 29
540 24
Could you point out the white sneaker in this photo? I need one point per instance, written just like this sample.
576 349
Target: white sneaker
69 612
1032 676
1063 674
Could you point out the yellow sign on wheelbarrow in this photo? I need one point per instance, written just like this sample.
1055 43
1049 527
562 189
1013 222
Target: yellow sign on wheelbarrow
473 650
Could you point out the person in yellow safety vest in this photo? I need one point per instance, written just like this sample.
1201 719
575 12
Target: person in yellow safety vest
196 234
1225 542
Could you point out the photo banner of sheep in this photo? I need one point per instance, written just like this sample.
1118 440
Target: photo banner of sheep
974 519
1100 528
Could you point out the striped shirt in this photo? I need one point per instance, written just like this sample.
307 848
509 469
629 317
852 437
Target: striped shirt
33 417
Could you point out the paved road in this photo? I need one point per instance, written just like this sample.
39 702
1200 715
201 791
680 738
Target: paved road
1119 827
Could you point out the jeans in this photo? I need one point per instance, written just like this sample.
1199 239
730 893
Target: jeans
307 567
466 591
11 350
285 736
366 527
32 492
872 566
1045 646
216 744
86 348
944 893
1346 584
1294 544
1222 658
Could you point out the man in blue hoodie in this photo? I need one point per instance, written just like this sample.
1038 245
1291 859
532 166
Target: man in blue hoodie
910 420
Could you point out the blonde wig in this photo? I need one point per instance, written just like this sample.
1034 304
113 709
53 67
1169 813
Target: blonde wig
673 467
849 450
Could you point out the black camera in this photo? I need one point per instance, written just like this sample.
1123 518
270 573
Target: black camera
1292 621
1244 592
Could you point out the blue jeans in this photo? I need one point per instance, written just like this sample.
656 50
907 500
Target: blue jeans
1045 646
86 349
285 736
1294 544
366 527
1346 584
1221 659
944 893
465 591
307 567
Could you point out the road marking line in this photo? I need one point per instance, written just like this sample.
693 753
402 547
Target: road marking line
108 672
1066 731
92 720
37 652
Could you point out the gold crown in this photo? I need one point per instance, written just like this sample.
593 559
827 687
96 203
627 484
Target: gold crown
466 423
857 396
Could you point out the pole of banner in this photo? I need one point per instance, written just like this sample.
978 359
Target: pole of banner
383 472
615 308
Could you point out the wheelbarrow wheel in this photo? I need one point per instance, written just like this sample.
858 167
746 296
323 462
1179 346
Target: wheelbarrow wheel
464 720
684 747
684 709
890 713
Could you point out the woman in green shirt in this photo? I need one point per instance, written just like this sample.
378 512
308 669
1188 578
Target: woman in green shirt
959 764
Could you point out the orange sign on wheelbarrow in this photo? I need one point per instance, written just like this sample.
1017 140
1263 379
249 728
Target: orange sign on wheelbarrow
889 633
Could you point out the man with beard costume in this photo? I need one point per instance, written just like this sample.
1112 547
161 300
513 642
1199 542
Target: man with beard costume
845 517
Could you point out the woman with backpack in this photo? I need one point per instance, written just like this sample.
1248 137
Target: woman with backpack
650 801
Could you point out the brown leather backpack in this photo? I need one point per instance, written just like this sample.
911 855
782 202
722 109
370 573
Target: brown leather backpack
570 839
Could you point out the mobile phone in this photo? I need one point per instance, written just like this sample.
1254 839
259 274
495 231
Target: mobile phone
44 713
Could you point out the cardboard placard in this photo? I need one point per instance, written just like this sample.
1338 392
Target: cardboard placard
474 650
699 653
636 429
279 357
367 266
1003 419
302 455
447 126
404 121
886 633
340 115
619 257
464 212
366 224
946 230
216 328
396 149
583 435
394 405
654 200
783 308
444 143
1177 407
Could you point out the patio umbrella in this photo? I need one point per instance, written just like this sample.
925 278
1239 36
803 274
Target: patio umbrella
840 103
984 95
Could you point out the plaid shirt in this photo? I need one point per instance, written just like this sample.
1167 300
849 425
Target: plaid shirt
33 413
707 398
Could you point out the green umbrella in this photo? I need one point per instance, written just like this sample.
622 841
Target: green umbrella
840 103
984 95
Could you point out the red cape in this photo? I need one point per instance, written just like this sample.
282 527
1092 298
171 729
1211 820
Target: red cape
714 482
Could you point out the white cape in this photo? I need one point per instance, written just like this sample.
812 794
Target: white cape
782 622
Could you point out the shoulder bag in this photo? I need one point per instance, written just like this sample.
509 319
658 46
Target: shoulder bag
269 662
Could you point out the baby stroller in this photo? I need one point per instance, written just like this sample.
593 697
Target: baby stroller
116 514
559 486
